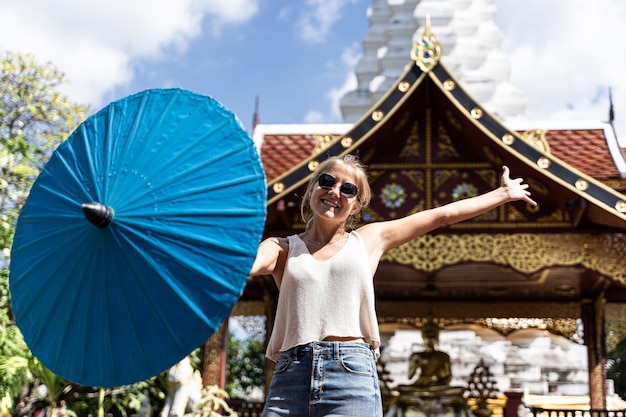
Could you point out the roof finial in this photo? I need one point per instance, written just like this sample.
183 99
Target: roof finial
255 116
611 111
426 51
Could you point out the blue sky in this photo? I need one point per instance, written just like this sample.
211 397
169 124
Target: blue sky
298 57
272 56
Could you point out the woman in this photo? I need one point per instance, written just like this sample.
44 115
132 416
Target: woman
325 339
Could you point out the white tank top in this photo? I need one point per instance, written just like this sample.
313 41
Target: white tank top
329 298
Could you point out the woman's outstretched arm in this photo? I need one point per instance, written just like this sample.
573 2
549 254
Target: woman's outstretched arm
393 233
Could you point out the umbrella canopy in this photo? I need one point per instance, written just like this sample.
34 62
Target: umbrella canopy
137 237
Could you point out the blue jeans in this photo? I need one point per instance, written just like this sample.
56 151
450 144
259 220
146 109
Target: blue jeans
325 379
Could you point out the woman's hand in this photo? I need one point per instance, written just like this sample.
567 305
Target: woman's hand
516 188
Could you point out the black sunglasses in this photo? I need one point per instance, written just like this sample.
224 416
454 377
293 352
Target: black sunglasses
347 189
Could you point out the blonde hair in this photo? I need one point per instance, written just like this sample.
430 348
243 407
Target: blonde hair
364 195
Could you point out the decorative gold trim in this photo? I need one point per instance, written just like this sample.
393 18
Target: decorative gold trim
564 324
322 142
537 139
582 184
621 206
378 115
426 51
404 86
476 113
508 139
543 162
533 209
346 142
615 324
449 85
313 165
278 187
524 252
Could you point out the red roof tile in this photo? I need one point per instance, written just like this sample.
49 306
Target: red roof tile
280 153
585 150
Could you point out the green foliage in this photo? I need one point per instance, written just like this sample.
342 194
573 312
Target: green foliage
34 119
116 402
616 368
212 404
245 369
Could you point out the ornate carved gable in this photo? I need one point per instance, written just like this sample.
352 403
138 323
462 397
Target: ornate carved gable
426 143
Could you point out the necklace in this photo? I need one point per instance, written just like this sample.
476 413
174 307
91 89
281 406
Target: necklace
329 243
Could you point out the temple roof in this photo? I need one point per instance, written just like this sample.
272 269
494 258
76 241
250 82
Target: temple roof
427 142
584 146
582 164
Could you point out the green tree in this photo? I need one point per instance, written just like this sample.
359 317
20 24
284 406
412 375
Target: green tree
34 119
244 373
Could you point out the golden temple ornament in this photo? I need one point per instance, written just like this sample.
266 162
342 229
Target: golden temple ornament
537 139
322 142
543 162
278 187
476 113
582 184
449 85
508 138
426 50
346 142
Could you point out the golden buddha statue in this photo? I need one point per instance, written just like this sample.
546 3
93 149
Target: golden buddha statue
430 392
434 365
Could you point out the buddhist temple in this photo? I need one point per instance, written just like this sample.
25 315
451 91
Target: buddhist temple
434 118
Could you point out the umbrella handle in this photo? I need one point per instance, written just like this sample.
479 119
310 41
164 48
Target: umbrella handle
98 213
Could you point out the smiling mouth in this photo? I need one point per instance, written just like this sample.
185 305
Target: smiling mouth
330 203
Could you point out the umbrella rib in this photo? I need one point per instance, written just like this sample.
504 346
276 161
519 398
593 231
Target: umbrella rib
195 238
191 212
156 267
92 168
70 172
127 302
183 194
184 175
106 151
194 119
52 300
131 137
116 150
155 163
189 238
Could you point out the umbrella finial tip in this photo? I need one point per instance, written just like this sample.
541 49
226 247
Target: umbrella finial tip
98 214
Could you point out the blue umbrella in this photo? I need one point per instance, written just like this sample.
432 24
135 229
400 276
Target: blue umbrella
137 237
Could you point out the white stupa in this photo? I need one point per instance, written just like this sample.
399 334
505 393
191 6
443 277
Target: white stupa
470 41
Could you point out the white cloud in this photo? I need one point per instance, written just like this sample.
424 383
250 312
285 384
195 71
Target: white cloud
314 117
94 43
336 94
349 59
320 15
565 54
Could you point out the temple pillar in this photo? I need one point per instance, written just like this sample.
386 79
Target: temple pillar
214 358
513 401
270 303
593 328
